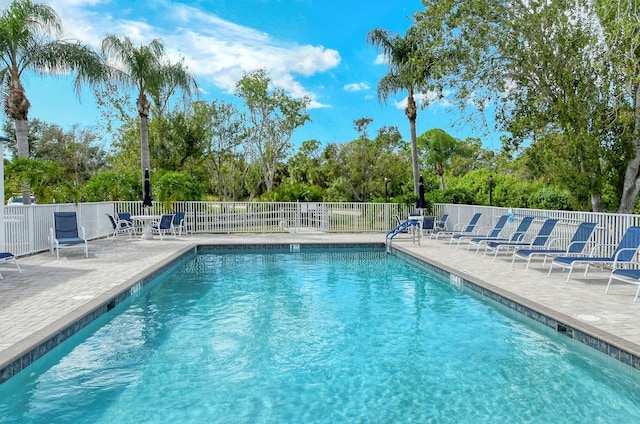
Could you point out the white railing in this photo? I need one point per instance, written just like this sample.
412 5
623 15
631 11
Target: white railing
609 230
27 228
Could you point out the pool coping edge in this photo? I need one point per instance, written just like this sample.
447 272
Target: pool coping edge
622 350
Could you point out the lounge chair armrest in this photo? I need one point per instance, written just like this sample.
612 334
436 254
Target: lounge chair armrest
553 243
630 264
598 247
626 249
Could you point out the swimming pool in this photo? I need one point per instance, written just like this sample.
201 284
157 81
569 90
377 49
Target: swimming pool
322 336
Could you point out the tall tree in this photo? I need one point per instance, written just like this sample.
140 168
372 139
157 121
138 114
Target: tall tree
438 149
273 117
145 69
406 73
543 65
226 162
30 40
621 31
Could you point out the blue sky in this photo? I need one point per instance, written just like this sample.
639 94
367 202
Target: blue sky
315 48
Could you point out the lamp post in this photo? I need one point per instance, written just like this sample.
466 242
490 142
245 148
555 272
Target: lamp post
386 190
490 190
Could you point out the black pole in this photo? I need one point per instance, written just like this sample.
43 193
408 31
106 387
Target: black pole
490 190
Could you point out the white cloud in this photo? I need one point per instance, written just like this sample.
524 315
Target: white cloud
214 49
430 98
357 86
381 59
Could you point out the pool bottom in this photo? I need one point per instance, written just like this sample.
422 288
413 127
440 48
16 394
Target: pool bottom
372 340
564 325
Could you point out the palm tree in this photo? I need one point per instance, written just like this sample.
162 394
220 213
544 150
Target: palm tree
401 54
144 69
30 41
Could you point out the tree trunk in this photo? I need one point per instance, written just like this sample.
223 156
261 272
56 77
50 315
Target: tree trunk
631 184
17 107
596 202
412 113
143 112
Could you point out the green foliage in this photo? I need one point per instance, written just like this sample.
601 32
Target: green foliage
272 117
296 192
46 179
437 149
551 198
558 74
123 186
176 186
458 196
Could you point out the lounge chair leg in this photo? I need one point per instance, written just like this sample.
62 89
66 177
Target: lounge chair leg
569 275
609 283
637 291
526 268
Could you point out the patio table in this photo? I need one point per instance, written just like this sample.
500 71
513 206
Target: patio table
146 221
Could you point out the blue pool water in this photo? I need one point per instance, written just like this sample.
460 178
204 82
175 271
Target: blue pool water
322 337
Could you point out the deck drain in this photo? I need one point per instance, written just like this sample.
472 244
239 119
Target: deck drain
588 318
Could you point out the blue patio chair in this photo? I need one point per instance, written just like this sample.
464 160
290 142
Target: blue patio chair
163 226
540 240
126 216
66 234
177 224
470 228
624 253
441 224
9 257
493 233
575 247
121 226
517 236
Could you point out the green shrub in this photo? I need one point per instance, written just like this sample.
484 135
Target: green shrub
176 186
551 198
124 186
458 196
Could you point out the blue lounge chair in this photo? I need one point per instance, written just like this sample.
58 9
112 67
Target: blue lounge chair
626 275
540 240
575 247
517 236
65 233
493 233
624 253
9 257
470 228
163 226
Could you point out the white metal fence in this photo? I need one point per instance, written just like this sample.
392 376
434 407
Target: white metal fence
27 227
609 230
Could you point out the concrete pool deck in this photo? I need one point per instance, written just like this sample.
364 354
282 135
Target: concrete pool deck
50 294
